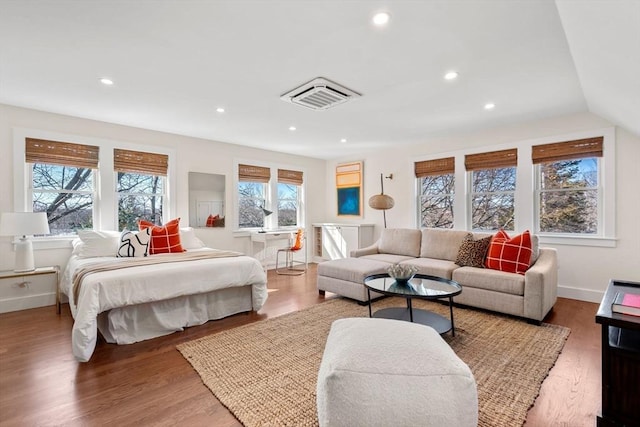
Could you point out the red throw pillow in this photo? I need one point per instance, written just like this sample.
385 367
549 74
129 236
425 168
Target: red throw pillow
211 220
164 239
510 254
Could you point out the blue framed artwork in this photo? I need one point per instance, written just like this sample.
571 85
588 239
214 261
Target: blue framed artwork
349 201
349 188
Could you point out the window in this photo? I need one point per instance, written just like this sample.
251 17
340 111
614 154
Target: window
436 185
567 186
289 186
62 183
493 187
252 195
140 186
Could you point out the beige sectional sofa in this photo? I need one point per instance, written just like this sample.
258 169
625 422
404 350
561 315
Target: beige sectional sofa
434 252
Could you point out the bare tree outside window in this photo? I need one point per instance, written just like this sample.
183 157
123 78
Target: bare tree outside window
66 194
139 197
288 204
492 198
436 201
251 200
568 196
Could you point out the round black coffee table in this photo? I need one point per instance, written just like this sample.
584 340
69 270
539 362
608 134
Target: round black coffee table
421 286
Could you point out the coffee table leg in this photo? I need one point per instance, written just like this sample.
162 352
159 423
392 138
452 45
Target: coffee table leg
453 327
410 309
369 299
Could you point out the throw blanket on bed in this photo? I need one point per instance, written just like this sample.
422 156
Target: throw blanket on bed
119 263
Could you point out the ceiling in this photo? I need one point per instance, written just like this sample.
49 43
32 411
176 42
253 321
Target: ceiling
174 62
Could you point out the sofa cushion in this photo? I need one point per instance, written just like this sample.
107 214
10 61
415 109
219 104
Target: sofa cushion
390 258
441 243
492 280
433 267
535 244
400 241
472 253
509 254
352 269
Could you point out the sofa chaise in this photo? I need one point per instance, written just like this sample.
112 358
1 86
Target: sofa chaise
434 251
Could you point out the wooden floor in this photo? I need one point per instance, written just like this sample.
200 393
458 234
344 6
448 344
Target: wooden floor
149 383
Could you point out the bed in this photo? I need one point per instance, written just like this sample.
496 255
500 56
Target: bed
134 299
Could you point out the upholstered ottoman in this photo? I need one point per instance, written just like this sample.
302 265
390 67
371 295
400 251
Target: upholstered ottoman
381 372
345 276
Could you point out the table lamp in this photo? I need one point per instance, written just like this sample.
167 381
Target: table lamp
266 213
24 224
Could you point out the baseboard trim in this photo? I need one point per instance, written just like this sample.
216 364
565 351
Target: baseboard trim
27 302
580 294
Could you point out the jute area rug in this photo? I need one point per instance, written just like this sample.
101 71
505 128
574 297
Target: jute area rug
265 373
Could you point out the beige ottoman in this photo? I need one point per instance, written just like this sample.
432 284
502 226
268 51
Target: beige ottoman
382 372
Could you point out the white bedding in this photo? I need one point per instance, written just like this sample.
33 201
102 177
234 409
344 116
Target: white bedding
103 291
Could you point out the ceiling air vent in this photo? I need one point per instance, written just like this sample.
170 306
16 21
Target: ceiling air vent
319 94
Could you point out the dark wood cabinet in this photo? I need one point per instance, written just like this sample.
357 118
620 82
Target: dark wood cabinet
620 360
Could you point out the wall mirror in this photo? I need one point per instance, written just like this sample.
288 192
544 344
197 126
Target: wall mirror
206 199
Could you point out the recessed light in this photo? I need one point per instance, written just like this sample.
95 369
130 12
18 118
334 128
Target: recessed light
292 128
220 110
106 81
381 18
489 106
451 75
343 140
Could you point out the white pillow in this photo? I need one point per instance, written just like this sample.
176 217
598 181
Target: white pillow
134 243
97 243
188 239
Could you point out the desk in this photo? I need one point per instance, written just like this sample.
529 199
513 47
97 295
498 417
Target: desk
276 239
620 360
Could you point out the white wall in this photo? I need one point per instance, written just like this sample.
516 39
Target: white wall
192 155
584 271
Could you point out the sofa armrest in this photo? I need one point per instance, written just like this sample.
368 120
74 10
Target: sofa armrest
369 250
541 285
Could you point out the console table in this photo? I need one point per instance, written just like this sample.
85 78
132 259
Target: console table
620 360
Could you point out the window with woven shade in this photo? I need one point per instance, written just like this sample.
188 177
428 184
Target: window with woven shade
252 192
140 186
492 184
289 192
436 191
568 190
62 182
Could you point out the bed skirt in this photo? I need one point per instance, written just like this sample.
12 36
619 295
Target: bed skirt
126 325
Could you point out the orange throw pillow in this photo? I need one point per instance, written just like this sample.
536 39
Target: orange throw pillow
297 245
211 220
164 239
510 254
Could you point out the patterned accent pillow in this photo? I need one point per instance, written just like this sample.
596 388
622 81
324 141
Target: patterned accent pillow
211 220
134 243
510 254
164 239
472 253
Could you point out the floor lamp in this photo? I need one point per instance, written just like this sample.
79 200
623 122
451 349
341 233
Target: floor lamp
382 201
24 224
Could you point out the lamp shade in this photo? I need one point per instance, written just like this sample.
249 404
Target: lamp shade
266 212
23 223
381 202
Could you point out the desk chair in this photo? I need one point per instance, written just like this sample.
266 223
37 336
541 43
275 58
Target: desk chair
289 266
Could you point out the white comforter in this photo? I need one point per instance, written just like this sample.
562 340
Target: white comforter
103 291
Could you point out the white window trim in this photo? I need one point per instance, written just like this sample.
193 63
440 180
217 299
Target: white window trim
525 188
271 198
105 205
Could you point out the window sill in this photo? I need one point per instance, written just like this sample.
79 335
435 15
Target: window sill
594 241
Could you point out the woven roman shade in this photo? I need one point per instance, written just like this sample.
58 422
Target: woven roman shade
576 149
289 177
435 167
140 162
491 160
254 173
61 153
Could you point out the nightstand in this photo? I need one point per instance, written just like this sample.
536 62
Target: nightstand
28 289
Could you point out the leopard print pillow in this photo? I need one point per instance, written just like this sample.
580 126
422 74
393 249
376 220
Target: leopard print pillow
473 252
